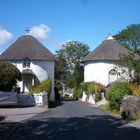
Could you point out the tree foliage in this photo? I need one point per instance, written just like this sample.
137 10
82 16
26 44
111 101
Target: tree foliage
76 77
9 75
130 37
130 64
69 62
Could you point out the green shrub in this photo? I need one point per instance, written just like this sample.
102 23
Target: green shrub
92 87
116 93
35 88
78 92
83 87
89 88
45 85
9 75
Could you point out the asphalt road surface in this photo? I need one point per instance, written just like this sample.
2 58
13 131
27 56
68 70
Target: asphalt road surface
73 120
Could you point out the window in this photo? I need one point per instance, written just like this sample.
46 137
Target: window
113 75
26 63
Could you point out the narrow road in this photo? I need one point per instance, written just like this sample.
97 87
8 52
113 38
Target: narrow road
73 120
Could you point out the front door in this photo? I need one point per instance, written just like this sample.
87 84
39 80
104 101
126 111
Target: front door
27 83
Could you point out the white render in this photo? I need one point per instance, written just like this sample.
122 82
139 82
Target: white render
42 70
98 71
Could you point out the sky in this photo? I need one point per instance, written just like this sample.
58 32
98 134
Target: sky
54 22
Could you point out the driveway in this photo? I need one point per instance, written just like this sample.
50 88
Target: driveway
73 120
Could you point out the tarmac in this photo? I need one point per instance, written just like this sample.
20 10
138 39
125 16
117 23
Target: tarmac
12 118
19 114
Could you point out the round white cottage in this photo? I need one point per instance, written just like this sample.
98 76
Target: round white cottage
35 61
99 64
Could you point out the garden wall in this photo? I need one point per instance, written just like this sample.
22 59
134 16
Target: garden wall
25 99
130 108
8 98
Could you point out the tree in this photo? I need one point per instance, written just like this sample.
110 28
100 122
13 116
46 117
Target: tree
77 77
69 59
9 75
130 37
130 64
61 66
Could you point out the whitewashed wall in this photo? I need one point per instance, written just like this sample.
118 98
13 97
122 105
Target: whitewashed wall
42 69
98 71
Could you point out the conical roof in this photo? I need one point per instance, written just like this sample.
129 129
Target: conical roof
27 47
109 49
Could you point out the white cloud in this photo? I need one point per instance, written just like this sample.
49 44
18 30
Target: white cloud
40 31
5 37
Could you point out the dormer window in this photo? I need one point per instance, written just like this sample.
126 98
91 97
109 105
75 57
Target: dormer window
26 63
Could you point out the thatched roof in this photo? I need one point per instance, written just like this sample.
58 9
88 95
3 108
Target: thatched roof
109 49
27 47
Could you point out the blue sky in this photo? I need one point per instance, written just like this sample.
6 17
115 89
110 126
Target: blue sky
55 21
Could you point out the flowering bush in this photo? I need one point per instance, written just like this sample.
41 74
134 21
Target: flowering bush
135 89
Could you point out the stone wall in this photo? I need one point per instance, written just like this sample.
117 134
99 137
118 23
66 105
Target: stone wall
130 108
25 100
12 98
8 98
